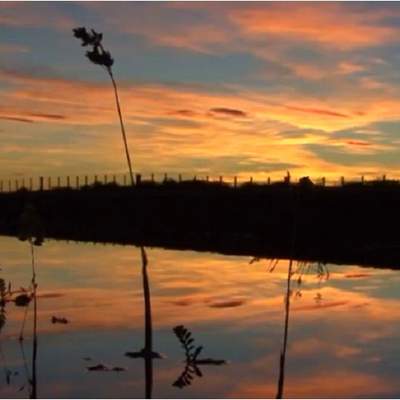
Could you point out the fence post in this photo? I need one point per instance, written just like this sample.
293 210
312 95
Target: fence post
30 184
77 182
287 178
268 181
221 179
323 181
180 178
251 179
195 178
362 179
86 180
41 183
105 179
384 178
165 177
49 183
16 184
342 180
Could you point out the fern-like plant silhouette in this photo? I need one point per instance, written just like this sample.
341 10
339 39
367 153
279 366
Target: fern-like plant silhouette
192 361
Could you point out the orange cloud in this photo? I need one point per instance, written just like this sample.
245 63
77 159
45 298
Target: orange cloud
329 24
27 116
311 346
17 119
228 112
359 275
318 111
173 122
238 27
321 385
346 67
358 143
319 306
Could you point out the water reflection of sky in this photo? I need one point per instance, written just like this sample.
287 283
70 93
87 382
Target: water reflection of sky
343 334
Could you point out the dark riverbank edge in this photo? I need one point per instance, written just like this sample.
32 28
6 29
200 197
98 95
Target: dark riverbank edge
353 224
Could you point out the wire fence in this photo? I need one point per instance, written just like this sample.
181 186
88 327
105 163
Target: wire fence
79 181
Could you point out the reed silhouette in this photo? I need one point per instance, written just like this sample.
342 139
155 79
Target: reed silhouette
6 297
282 358
293 239
33 394
31 374
294 230
98 55
295 276
146 352
31 230
303 268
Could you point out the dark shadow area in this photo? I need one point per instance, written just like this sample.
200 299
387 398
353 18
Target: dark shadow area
352 224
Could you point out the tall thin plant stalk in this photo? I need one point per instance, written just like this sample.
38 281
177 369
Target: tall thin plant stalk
98 55
31 229
282 358
148 346
33 394
146 352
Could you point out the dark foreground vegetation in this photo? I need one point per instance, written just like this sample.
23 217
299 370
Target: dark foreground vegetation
354 223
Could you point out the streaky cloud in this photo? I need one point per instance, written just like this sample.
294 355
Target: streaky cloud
228 111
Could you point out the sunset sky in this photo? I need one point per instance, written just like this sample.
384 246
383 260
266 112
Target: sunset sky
216 88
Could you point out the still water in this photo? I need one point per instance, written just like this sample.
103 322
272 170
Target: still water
343 325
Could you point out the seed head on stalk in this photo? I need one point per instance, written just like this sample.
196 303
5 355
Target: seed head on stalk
98 55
